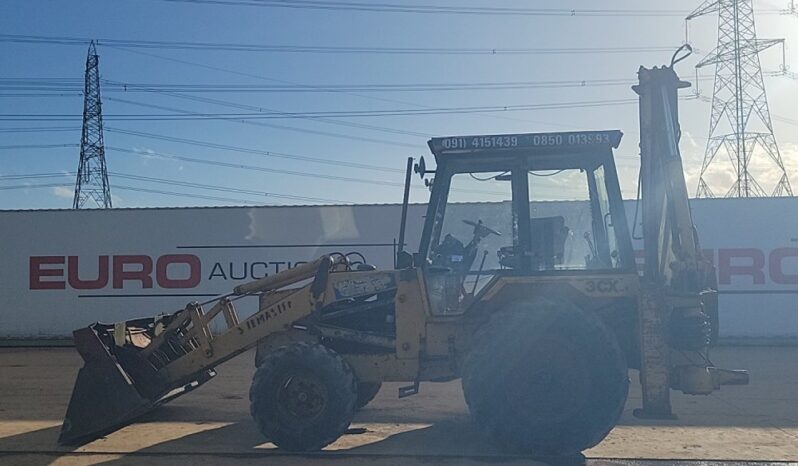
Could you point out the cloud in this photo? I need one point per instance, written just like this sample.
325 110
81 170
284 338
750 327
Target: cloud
143 150
722 173
146 154
62 191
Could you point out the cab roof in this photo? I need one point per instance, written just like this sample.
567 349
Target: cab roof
560 142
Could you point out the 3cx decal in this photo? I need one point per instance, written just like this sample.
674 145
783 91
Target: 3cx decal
604 286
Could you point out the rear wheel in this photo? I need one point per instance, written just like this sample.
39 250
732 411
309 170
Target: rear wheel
303 396
366 391
545 377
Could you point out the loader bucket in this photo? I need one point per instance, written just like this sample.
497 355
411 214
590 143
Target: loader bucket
104 397
116 385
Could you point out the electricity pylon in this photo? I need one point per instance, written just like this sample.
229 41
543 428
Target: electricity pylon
92 182
740 126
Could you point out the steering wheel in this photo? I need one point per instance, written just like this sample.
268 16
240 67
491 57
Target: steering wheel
479 226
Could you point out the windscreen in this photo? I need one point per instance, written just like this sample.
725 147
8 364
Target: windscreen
560 216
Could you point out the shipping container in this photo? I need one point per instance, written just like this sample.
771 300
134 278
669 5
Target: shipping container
64 269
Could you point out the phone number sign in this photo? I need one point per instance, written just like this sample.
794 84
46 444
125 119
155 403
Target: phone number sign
522 141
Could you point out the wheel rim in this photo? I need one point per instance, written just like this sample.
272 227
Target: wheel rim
302 396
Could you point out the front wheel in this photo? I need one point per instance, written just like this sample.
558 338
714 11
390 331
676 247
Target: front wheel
366 391
545 377
303 396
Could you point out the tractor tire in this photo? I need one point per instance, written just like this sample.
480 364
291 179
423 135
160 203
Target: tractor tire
303 396
366 391
545 377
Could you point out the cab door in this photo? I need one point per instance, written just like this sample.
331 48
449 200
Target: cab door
470 221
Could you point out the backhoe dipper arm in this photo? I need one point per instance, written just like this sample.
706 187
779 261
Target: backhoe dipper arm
675 274
670 244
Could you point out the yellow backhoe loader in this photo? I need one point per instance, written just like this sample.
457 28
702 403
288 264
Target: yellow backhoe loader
537 306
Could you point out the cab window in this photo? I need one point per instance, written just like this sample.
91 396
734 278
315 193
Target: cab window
477 223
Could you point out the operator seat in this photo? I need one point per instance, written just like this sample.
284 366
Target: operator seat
548 241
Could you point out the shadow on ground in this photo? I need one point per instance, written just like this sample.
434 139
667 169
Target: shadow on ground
422 444
45 440
435 423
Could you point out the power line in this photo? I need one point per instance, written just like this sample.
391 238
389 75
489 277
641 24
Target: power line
331 90
266 78
329 114
304 158
165 182
227 103
256 76
789 121
272 125
37 146
33 186
30 176
131 188
441 9
282 172
40 129
240 166
386 87
40 79
223 188
246 150
364 96
117 86
193 196
321 49
333 162
9 95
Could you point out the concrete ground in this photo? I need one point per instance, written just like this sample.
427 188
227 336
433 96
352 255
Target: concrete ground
212 425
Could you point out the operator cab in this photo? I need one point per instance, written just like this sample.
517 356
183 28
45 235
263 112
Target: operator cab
520 204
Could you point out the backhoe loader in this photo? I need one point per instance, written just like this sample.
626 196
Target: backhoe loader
531 297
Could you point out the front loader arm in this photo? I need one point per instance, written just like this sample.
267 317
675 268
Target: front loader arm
288 308
131 367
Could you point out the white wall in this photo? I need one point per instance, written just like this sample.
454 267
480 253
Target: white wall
754 243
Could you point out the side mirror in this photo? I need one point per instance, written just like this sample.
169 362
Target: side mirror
420 167
404 260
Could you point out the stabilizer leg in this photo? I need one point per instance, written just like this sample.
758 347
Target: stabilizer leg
655 356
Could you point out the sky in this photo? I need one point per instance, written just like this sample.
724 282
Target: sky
336 159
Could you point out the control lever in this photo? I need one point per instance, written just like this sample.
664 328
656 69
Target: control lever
593 252
479 272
